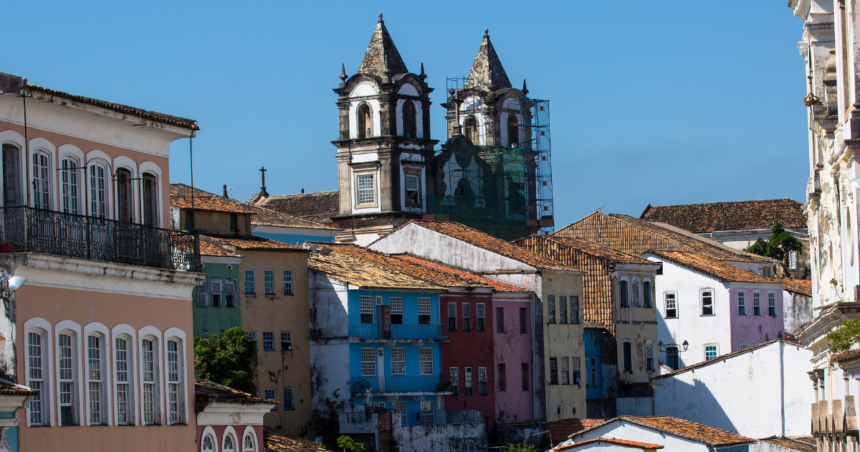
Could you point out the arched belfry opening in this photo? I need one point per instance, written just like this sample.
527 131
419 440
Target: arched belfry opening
471 129
409 121
513 131
365 121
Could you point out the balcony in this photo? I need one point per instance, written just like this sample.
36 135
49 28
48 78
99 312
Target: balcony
412 331
24 229
446 417
400 384
358 422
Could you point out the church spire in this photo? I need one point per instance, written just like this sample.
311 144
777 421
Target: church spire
382 58
487 71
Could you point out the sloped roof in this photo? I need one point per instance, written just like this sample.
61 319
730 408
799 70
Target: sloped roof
682 428
635 236
7 387
498 286
365 274
613 441
207 392
789 443
490 243
381 55
727 355
212 247
730 216
275 441
564 428
714 267
431 275
184 123
487 72
318 206
208 204
251 243
799 286
589 247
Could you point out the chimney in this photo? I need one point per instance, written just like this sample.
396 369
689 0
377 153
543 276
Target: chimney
225 191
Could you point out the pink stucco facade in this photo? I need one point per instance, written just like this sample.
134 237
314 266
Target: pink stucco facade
749 328
513 348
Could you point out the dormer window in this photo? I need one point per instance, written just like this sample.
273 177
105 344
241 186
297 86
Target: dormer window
365 121
409 120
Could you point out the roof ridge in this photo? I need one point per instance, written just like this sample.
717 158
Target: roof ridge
487 71
727 355
373 264
725 202
381 57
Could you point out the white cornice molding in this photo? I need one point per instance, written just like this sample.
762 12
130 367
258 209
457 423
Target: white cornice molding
220 413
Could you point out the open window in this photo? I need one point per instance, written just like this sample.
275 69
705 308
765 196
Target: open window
513 131
12 176
365 121
366 308
470 126
409 120
424 310
671 305
413 187
707 297
396 310
150 200
124 197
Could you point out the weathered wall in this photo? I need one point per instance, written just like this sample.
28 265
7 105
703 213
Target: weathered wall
634 406
796 311
215 319
329 335
517 433
440 438
625 430
217 222
753 329
513 348
771 381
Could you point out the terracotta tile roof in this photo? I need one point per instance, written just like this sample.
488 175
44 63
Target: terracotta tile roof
727 355
186 190
275 441
806 440
730 216
799 286
498 286
207 392
318 206
208 204
426 273
586 246
614 441
635 236
792 444
212 247
252 243
846 356
490 243
561 429
713 267
190 124
7 387
685 429
363 273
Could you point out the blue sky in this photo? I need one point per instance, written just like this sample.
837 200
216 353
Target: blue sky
669 102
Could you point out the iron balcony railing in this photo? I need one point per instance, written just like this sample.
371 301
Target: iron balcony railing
423 383
25 229
412 331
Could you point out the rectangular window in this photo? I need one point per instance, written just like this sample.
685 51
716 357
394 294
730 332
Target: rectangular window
562 309
574 309
500 320
396 310
123 382
452 316
423 311
710 352
565 371
624 294
268 341
454 374
70 186
468 381
671 306
524 375
649 356
67 381
249 282
286 340
593 372
269 276
467 317
270 395
150 204
646 294
202 296
553 371
97 193
427 412
94 370
482 381
771 304
425 361
234 223
41 192
174 388
634 292
792 260
413 190
627 348
368 362
216 292
707 302
574 368
742 302
252 336
551 309
400 407
482 325
366 194
756 303
366 307
10 179
230 292
503 378
398 361
289 398
524 321
150 380
288 282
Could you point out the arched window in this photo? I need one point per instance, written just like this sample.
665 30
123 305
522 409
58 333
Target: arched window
409 120
124 379
649 356
124 201
365 121
70 185
513 130
175 388
12 175
38 376
98 193
635 292
67 377
229 443
208 443
150 200
249 444
150 379
41 181
97 379
471 129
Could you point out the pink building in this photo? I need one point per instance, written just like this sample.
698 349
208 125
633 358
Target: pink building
102 327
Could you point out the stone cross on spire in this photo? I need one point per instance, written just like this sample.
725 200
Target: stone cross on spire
487 71
263 191
382 57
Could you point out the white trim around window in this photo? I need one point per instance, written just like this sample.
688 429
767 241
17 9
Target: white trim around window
131 392
99 158
670 297
100 331
178 336
230 431
155 170
249 431
713 302
67 327
41 145
73 154
16 139
209 431
716 350
41 327
153 334
123 162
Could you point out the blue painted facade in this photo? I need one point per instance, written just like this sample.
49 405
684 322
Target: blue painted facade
12 432
593 367
296 239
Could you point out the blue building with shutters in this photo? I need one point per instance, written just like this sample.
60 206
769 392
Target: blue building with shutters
593 366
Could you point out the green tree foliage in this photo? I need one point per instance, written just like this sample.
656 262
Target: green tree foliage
524 447
845 336
226 359
778 245
349 444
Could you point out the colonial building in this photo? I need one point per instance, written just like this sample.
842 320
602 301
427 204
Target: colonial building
102 329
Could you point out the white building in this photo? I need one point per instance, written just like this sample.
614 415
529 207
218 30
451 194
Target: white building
759 391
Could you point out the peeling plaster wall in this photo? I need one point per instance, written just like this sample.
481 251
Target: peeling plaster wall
752 394
440 438
329 328
514 348
796 311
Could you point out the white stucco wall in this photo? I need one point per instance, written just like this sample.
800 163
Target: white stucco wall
625 430
759 393
329 331
440 438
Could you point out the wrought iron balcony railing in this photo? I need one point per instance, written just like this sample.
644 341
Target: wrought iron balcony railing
24 229
422 383
411 331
